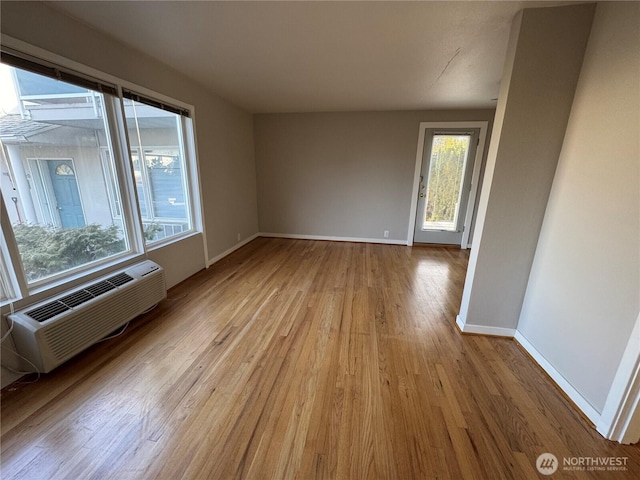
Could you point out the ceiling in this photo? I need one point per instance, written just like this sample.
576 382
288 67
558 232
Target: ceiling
321 56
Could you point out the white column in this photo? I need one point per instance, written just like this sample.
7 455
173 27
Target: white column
23 189
543 64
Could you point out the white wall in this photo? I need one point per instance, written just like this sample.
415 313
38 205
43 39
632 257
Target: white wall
583 293
341 174
545 55
224 132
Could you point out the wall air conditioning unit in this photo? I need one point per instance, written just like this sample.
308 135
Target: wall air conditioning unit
50 332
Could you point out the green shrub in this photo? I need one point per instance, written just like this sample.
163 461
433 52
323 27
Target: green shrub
46 251
151 231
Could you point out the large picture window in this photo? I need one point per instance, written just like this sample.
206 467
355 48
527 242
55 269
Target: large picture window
157 153
67 182
52 181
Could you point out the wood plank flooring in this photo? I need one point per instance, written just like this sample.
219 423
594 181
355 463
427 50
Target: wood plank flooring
301 359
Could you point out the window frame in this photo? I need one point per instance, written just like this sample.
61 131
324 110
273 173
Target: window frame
109 172
186 146
10 278
115 124
134 246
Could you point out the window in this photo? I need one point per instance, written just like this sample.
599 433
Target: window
7 292
447 169
53 184
67 185
158 158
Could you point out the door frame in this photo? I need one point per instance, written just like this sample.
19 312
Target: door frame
620 417
477 167
49 191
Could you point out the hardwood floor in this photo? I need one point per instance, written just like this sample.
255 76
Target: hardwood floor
301 359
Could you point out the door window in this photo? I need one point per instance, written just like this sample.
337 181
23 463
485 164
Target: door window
445 185
447 166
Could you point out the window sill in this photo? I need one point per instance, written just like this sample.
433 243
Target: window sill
168 241
40 292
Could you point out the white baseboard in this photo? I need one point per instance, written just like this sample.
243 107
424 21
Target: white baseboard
484 330
620 418
217 258
580 402
591 413
334 239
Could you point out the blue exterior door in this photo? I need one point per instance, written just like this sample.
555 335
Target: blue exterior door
67 196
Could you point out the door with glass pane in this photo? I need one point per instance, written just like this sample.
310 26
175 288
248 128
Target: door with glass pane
65 191
445 183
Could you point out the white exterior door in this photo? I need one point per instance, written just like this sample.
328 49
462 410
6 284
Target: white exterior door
445 184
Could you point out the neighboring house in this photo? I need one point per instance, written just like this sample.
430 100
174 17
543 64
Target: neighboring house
57 150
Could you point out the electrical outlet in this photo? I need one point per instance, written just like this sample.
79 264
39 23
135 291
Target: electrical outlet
386 234
239 237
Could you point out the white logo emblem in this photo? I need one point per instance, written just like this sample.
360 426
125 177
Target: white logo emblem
547 463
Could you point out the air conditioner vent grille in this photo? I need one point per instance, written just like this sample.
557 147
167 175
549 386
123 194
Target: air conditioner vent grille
76 298
47 311
99 288
51 309
51 332
120 279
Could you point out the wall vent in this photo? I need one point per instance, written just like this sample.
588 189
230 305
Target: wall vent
51 332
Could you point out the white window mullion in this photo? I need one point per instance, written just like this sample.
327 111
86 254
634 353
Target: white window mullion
187 180
12 270
119 137
193 174
188 132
